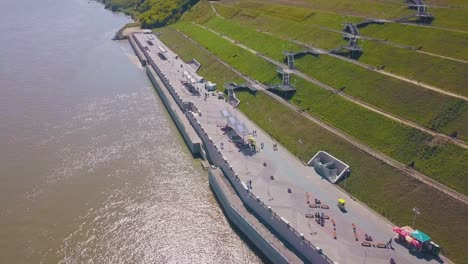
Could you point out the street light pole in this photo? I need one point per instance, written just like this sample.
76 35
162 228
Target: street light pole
365 256
416 212
299 147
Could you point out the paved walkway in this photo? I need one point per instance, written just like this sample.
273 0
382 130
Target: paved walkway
289 172
238 206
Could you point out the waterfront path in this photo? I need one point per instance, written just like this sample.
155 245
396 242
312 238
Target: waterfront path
289 172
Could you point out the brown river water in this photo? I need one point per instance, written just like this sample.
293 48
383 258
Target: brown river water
92 169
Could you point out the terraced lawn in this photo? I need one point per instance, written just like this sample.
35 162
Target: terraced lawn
450 18
390 94
380 186
367 8
211 69
442 162
266 44
291 30
237 57
401 98
376 184
444 74
438 41
405 144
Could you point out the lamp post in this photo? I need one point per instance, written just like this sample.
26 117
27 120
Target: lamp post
299 141
416 212
365 256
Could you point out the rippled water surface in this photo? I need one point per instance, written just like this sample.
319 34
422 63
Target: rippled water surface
92 170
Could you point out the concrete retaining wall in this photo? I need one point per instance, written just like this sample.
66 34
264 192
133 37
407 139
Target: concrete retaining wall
195 148
287 233
243 224
137 50
302 246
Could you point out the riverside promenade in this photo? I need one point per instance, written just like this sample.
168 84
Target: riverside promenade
280 181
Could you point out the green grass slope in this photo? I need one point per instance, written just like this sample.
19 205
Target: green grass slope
443 162
239 58
442 73
398 97
449 18
383 188
395 96
210 67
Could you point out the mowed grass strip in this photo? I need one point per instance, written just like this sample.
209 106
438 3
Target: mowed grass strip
443 162
400 98
440 72
446 163
382 187
210 68
367 8
378 185
390 94
433 40
449 18
266 44
244 61
290 30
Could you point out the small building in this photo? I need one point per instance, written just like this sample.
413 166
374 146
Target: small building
328 166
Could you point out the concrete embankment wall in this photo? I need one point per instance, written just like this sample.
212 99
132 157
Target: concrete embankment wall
241 222
172 102
137 51
302 246
194 146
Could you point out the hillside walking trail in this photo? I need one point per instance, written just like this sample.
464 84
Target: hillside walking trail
376 154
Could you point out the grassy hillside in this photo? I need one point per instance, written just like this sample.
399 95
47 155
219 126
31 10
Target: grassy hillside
383 188
443 162
210 67
434 40
239 58
398 97
453 18
440 72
